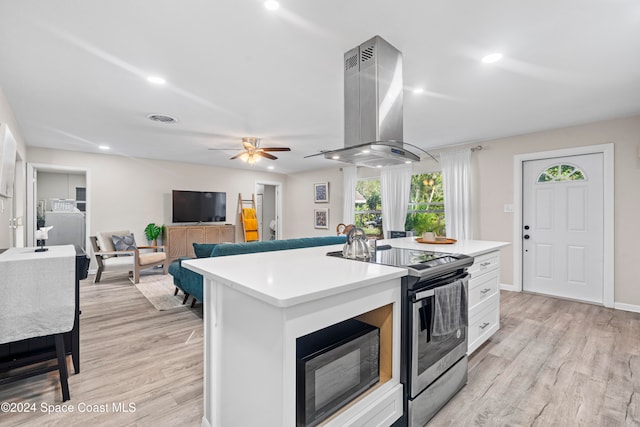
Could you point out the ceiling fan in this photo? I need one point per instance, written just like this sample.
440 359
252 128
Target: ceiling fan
253 151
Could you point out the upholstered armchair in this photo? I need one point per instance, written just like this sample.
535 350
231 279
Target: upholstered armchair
128 258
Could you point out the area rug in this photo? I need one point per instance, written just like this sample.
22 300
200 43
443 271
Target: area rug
159 289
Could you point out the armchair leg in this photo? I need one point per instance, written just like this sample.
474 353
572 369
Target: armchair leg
193 302
186 297
98 275
176 291
62 366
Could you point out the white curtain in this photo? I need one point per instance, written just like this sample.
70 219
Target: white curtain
349 177
395 186
456 182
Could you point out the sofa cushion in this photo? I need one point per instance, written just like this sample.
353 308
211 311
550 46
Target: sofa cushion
203 250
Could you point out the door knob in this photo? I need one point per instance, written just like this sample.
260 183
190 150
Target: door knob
526 237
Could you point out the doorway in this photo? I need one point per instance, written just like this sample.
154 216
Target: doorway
563 234
58 196
269 206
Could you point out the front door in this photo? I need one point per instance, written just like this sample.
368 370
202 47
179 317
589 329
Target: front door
562 247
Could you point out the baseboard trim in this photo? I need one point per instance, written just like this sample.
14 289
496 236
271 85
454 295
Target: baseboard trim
205 422
505 287
626 307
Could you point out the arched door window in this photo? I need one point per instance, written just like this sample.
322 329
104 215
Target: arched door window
561 172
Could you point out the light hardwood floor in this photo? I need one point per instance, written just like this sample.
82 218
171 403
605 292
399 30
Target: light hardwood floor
553 363
129 353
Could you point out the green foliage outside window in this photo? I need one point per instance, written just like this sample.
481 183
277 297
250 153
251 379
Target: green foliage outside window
426 204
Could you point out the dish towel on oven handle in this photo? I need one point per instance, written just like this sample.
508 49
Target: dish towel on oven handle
450 308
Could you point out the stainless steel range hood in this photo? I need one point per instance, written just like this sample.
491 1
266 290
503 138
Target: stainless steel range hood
373 92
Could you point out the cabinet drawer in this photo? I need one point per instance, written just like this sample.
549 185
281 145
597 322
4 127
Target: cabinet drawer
484 324
484 263
482 288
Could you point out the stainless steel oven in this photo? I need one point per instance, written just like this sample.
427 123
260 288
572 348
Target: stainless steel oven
436 362
433 357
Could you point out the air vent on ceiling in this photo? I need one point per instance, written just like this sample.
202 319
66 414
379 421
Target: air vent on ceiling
162 118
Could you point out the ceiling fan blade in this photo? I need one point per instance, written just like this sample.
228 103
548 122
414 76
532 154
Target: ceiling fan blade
276 149
237 155
224 149
265 155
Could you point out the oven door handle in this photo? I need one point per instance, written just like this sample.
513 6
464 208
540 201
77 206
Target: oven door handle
424 294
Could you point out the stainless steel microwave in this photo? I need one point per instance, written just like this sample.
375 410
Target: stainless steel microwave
333 366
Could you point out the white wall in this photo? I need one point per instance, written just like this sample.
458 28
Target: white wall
52 185
299 203
6 204
494 183
129 193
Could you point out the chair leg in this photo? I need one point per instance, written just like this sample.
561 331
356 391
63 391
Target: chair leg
186 297
62 366
98 275
193 302
176 291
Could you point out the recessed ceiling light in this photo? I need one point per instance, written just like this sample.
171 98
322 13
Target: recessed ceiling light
418 90
104 147
272 5
156 80
379 166
494 57
408 162
335 157
270 167
365 151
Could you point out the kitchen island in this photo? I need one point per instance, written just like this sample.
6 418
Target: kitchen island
257 305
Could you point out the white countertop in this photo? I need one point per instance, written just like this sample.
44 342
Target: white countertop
290 277
466 247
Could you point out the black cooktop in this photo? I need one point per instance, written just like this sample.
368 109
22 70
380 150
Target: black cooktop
419 263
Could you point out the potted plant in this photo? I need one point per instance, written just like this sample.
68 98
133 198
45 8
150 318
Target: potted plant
153 231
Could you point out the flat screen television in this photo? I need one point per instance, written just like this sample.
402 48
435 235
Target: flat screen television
199 206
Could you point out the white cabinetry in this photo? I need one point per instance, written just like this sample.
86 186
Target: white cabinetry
484 298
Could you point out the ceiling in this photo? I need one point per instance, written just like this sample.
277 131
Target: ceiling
74 72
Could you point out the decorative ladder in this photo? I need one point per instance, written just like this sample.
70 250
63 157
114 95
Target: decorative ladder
248 218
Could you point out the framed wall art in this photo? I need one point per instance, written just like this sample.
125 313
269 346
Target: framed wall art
321 192
321 218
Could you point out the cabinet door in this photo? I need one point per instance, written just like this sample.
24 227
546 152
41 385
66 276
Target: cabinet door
177 241
228 234
212 234
194 235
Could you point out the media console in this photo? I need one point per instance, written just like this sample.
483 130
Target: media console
179 239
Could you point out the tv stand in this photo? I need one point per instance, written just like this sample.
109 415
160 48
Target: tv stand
179 239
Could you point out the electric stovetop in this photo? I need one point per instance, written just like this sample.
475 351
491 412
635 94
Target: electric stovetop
419 263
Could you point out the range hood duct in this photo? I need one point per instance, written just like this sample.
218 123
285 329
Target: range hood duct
373 97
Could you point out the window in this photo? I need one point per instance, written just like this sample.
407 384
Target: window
369 206
561 172
426 204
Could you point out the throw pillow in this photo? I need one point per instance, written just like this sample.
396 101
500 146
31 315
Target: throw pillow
124 243
203 250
